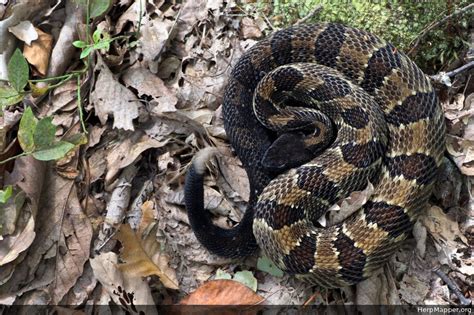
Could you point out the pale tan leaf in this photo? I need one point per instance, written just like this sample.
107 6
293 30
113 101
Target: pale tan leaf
147 83
112 98
24 31
250 29
137 257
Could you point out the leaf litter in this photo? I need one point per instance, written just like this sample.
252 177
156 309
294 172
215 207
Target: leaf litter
149 108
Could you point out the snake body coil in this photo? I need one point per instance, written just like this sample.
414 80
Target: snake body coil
285 97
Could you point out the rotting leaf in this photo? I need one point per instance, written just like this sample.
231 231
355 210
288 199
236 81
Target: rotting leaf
54 151
43 135
26 131
9 96
222 292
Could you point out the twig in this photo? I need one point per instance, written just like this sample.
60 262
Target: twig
453 287
445 77
440 22
311 14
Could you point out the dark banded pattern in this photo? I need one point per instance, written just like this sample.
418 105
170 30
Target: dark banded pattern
388 128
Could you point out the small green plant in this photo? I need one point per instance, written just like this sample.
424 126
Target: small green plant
5 194
18 73
99 41
37 138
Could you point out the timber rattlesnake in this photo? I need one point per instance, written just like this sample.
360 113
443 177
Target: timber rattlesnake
325 81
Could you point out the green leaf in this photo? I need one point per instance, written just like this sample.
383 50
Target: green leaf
246 277
54 152
265 264
44 133
6 194
86 52
9 96
102 45
79 44
77 139
18 71
98 7
27 128
96 35
221 274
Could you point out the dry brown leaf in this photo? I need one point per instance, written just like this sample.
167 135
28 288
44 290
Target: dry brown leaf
83 288
39 51
379 289
75 241
222 292
132 14
137 255
63 48
112 98
235 175
63 98
413 289
13 245
154 35
350 204
97 163
191 13
124 153
106 272
147 83
28 174
44 256
442 228
250 29
148 216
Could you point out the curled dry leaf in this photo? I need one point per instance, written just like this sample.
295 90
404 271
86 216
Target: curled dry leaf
349 205
39 51
24 31
222 292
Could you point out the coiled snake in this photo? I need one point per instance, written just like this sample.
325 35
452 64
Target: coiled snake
285 98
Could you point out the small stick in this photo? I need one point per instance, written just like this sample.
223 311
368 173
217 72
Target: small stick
453 286
310 14
444 77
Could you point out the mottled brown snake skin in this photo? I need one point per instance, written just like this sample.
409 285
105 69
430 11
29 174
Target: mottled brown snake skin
285 97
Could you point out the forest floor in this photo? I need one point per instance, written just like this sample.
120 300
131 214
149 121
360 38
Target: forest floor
106 224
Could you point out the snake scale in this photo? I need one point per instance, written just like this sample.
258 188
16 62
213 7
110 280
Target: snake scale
286 96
